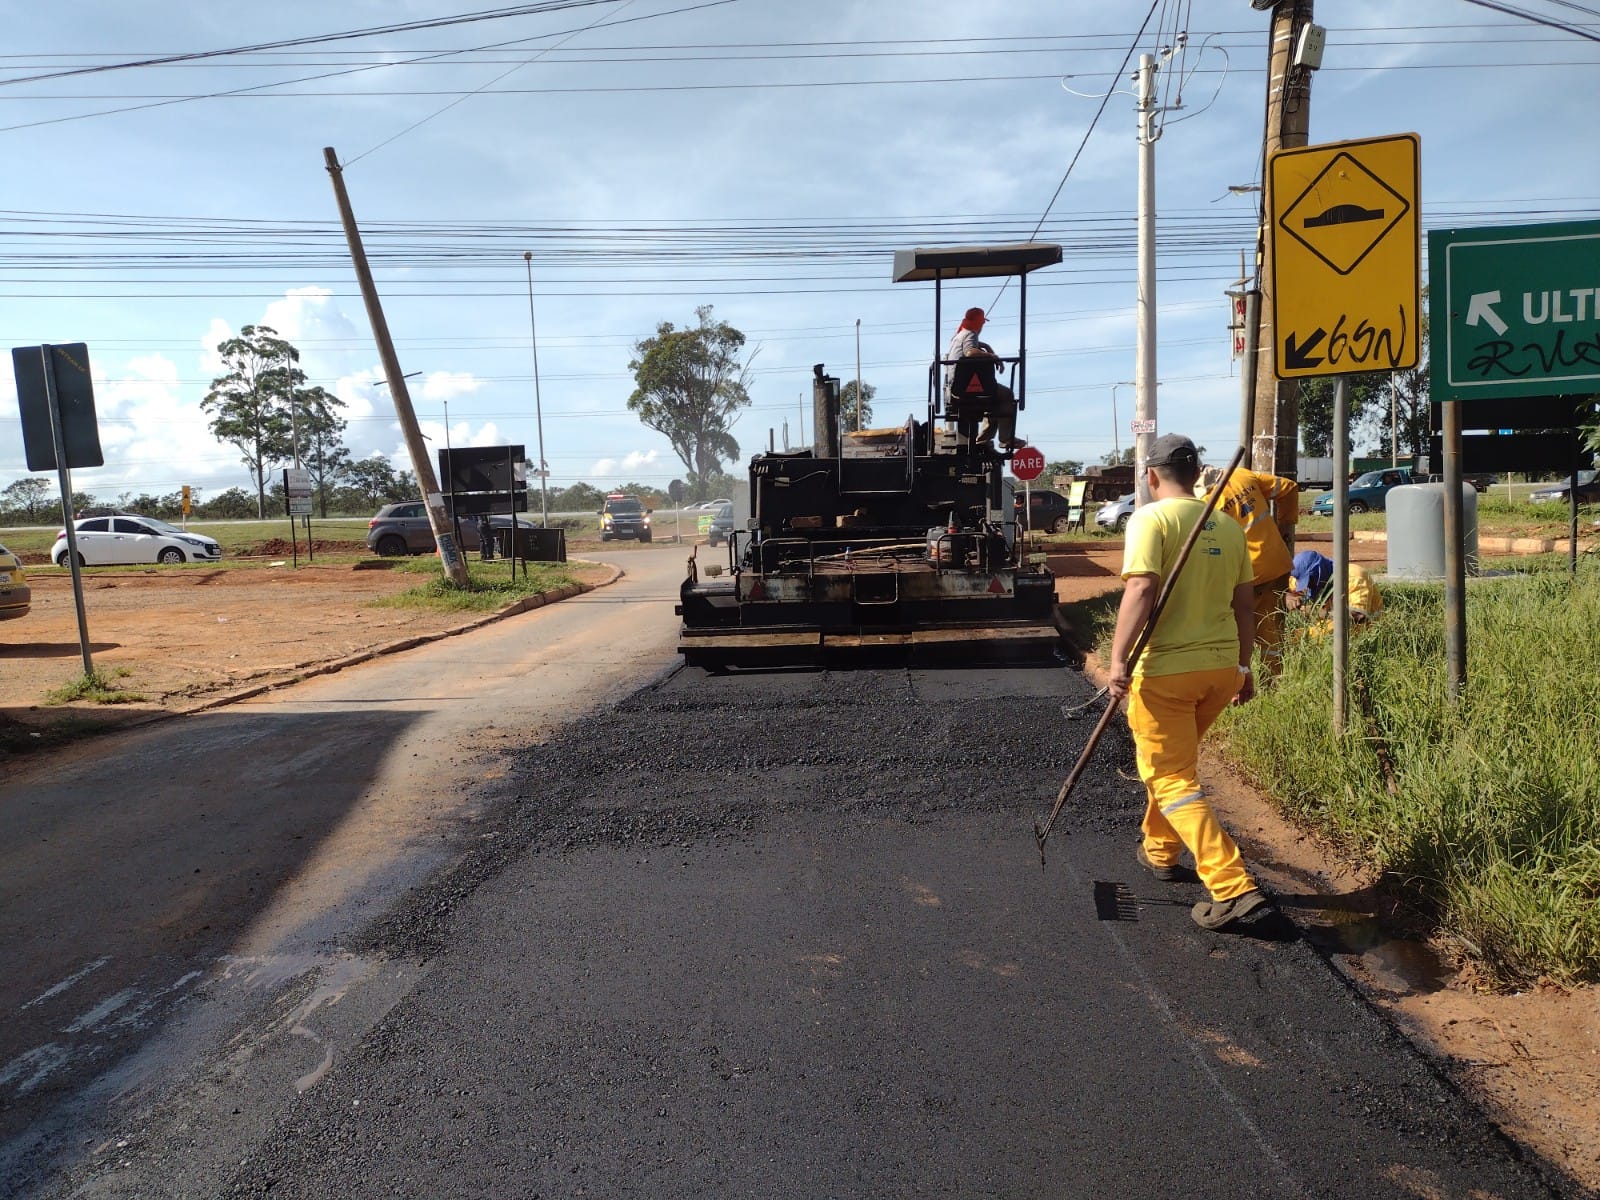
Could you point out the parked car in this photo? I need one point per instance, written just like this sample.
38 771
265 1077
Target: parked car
404 529
721 529
105 541
1046 510
15 595
708 505
624 517
1114 514
1367 492
1588 489
1480 483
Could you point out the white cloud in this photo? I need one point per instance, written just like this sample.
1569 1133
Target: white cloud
628 463
447 385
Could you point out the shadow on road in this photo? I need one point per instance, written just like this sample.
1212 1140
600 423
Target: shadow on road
130 868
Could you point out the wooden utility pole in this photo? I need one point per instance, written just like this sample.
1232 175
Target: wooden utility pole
455 566
1275 432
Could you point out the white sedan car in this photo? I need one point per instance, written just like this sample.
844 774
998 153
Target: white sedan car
104 541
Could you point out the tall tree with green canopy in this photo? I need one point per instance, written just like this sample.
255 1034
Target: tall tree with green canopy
690 383
320 430
847 405
252 405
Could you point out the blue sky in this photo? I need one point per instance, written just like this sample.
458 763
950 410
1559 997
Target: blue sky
655 155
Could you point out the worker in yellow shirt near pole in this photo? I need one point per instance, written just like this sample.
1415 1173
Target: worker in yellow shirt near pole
1267 508
1197 662
1310 584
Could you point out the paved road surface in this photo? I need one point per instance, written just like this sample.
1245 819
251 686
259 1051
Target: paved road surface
160 887
773 934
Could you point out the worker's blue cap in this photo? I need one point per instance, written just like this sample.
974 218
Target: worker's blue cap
1312 571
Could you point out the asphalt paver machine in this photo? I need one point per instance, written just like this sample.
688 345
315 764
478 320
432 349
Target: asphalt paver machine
897 540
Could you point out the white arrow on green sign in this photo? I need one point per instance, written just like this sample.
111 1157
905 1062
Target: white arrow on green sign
1516 310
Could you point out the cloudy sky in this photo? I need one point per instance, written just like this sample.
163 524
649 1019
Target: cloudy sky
655 155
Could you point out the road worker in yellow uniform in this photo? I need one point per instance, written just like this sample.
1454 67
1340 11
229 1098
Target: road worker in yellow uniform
1311 584
1267 508
1195 665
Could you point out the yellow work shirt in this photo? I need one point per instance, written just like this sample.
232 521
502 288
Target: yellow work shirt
1197 630
1248 498
1365 602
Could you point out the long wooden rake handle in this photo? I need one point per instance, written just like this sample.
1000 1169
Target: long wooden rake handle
1042 835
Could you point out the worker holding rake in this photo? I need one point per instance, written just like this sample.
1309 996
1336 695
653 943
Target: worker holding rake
1196 662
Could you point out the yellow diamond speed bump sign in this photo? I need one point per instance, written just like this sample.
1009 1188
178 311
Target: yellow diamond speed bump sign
1345 256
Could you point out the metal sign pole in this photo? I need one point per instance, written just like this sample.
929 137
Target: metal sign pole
288 511
1455 558
1341 549
64 473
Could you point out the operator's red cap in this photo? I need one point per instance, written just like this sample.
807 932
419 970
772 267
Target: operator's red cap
975 314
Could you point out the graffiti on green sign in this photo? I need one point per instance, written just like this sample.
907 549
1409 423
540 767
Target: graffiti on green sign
1502 358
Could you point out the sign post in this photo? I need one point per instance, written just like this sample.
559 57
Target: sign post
56 396
297 493
1027 464
1346 298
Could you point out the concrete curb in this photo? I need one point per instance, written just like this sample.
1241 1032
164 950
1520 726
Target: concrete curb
1494 545
298 675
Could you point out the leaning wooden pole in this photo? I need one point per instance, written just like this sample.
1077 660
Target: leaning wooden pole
455 566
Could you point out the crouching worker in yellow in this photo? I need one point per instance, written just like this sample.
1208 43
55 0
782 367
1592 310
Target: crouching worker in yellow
1195 665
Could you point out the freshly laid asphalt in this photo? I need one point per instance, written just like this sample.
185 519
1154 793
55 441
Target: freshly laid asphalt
786 935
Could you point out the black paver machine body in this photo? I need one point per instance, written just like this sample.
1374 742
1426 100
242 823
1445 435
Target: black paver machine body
898 540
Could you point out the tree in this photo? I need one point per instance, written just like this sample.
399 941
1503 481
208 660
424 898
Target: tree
847 405
580 497
652 497
231 505
690 384
323 452
28 498
257 404
1112 459
1366 395
1067 466
373 482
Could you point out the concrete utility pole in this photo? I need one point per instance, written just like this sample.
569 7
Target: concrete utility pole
1144 374
455 566
1275 434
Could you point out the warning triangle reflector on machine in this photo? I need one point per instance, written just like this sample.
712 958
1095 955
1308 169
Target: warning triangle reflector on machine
757 592
996 588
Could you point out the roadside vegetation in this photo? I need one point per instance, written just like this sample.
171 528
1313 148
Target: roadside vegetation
490 586
94 687
1483 816
1485 813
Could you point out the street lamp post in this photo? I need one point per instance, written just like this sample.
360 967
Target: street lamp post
538 408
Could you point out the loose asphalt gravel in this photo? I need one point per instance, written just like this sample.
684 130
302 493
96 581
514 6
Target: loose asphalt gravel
786 935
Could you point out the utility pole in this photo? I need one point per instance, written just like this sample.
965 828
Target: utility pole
1144 374
538 404
455 566
1275 433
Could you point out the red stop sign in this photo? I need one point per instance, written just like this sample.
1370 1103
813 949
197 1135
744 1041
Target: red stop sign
1027 463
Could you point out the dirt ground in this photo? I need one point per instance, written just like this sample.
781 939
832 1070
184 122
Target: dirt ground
173 640
185 639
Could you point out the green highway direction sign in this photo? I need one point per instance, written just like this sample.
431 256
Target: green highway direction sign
1516 311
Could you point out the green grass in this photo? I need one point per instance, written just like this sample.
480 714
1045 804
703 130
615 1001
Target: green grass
1486 812
94 688
489 587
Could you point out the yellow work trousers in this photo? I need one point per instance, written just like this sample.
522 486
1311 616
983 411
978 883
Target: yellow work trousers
1169 714
1269 623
